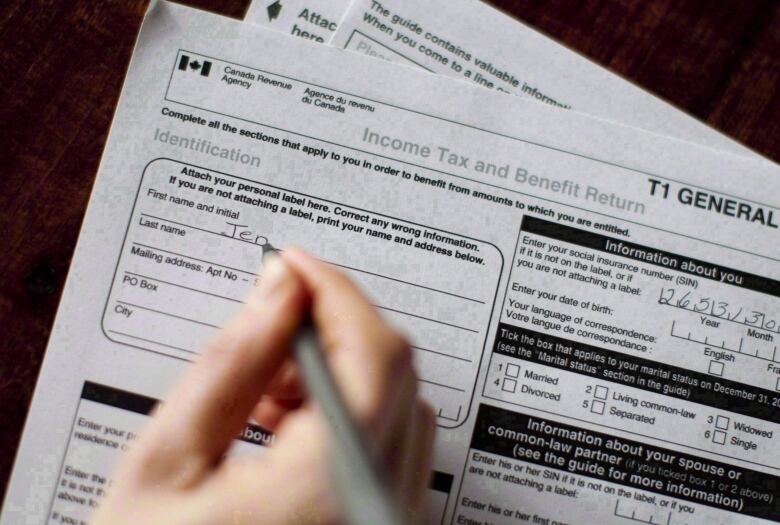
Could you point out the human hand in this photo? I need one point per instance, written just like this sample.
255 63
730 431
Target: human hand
177 472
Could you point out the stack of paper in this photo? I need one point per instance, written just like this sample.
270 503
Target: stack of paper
589 277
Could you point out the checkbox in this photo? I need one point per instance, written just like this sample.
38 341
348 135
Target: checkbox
722 422
509 385
719 437
601 392
597 407
716 368
512 370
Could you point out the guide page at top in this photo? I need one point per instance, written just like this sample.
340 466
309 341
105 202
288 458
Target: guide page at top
593 308
470 40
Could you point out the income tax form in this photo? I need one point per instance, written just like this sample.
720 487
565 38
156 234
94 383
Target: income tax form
593 308
477 43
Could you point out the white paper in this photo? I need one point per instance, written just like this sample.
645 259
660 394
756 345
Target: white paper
544 264
315 20
472 41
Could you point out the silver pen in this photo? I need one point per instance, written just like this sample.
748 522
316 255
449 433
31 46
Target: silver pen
362 484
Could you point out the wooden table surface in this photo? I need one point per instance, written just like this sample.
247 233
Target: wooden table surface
61 70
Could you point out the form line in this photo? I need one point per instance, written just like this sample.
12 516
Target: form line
440 384
243 302
427 318
328 262
153 342
195 259
441 353
407 282
169 314
185 287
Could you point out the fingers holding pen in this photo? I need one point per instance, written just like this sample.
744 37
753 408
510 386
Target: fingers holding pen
220 390
370 360
178 467
372 366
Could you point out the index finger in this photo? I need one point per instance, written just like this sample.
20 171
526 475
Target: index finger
371 361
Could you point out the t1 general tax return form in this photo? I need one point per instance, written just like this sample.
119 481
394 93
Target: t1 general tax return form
576 291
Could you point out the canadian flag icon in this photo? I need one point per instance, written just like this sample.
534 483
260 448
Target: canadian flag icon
185 64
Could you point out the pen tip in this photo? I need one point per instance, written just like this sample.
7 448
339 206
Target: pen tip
269 251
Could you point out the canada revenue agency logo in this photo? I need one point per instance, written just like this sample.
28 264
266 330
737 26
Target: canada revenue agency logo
186 64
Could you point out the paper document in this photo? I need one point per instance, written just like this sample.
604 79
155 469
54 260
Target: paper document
315 20
471 40
593 308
